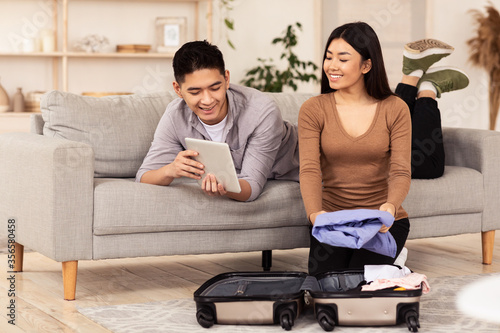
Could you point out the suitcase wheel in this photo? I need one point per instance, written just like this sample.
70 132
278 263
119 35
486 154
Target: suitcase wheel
286 319
205 317
412 321
326 321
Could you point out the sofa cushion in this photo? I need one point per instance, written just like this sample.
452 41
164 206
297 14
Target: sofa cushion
122 206
119 128
289 104
459 191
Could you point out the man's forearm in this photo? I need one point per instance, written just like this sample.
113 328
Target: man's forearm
156 177
246 191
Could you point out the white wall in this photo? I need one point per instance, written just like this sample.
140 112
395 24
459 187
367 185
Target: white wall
451 21
257 22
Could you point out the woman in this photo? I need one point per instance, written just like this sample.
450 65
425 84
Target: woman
355 145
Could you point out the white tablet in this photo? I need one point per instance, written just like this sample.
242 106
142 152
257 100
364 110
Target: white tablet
216 157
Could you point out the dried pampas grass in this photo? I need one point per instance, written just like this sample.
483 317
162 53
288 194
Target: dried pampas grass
485 53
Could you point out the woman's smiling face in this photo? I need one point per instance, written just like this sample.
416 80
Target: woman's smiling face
344 66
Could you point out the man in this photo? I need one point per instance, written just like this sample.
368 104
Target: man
263 146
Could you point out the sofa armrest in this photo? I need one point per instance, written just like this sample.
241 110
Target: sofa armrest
36 123
47 187
479 150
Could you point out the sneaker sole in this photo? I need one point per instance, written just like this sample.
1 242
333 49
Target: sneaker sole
425 47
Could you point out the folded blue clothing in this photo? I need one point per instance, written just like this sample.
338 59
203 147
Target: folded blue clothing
356 229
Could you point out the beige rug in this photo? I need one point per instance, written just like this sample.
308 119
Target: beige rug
438 313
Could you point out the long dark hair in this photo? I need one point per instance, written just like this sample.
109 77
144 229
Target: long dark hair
365 41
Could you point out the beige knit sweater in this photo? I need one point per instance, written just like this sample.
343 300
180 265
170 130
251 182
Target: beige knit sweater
338 171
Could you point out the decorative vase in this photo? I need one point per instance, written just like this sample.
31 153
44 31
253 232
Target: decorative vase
4 100
18 101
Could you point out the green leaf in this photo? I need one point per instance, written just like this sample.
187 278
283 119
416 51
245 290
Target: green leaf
229 23
253 71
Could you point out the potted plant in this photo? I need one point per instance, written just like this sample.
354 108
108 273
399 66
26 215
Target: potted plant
267 77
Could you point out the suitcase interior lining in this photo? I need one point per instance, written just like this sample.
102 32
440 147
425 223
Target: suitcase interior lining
341 282
254 286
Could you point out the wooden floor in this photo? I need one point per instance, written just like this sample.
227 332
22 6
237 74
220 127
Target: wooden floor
40 306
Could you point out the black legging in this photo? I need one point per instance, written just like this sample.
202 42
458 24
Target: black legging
427 151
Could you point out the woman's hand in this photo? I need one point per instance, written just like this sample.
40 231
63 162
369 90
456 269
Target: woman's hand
387 207
313 216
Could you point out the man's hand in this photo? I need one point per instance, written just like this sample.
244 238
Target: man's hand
185 166
210 186
182 166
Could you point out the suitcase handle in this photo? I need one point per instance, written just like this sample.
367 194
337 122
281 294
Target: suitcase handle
242 287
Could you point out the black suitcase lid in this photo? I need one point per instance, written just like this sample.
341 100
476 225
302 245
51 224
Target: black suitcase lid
252 286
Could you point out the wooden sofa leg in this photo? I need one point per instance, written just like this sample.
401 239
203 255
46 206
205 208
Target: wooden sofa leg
19 257
69 270
488 241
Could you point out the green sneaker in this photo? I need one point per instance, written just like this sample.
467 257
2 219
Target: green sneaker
445 79
421 54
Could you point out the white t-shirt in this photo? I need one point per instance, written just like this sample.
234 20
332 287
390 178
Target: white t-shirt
215 131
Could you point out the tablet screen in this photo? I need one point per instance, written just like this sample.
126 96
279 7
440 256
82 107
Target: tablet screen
216 157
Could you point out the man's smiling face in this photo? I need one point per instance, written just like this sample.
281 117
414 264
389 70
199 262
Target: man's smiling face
204 91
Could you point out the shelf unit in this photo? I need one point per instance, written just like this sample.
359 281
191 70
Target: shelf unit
15 121
10 121
61 57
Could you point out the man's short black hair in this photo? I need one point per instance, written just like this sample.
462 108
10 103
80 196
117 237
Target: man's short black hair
194 56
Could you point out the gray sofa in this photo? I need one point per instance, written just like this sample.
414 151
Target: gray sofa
69 188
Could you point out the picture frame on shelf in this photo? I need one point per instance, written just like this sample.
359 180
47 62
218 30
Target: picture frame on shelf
170 33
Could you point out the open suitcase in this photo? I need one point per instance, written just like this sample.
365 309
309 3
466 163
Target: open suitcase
251 298
338 300
279 298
